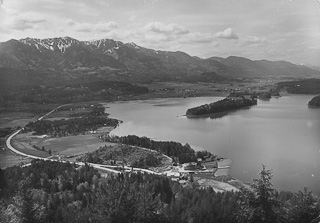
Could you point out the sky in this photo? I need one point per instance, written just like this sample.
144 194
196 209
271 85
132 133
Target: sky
256 29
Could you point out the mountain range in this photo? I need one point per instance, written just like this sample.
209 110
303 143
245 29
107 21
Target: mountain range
65 58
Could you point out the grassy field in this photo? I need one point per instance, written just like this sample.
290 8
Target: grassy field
8 158
69 146
217 186
25 142
128 154
14 119
198 89
67 111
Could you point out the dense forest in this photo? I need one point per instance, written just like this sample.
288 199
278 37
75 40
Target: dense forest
70 93
307 86
180 153
4 132
223 105
62 192
315 101
88 121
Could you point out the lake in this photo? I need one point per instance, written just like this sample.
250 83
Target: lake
283 134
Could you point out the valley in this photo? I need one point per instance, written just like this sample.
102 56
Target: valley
159 111
82 89
85 148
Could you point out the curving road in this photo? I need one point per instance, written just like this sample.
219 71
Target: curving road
96 166
8 141
9 146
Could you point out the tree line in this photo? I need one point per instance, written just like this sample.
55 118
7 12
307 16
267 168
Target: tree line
62 192
223 105
315 101
71 93
65 127
90 121
307 86
180 153
128 155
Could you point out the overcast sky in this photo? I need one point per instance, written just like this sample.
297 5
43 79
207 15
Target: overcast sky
256 29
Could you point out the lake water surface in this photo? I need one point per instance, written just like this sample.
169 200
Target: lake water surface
283 134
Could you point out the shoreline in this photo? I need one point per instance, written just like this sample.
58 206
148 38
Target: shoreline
222 170
147 97
217 114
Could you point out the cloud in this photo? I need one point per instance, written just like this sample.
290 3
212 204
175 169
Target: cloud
70 22
226 34
314 47
215 44
25 21
84 27
167 29
99 27
106 27
161 32
132 18
253 41
198 37
23 24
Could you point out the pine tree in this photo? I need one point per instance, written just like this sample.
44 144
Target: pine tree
302 207
259 204
3 183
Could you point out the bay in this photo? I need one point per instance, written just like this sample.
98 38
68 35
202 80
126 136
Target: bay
283 134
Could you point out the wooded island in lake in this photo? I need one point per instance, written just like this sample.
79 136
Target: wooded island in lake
224 105
315 101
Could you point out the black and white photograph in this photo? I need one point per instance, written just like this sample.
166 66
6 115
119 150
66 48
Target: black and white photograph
173 111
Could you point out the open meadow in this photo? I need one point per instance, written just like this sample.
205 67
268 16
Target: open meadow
15 119
66 146
8 158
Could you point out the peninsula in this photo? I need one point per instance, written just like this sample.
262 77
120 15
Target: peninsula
228 104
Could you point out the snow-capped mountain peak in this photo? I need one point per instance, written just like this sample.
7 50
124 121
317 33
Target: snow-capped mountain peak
60 44
132 44
104 43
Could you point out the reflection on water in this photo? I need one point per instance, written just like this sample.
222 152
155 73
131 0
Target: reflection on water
281 133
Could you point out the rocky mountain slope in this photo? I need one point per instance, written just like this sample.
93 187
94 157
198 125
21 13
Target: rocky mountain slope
115 60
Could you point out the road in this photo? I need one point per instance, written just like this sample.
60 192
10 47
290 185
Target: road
9 146
8 141
96 166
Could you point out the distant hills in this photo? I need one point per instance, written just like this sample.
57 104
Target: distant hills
63 59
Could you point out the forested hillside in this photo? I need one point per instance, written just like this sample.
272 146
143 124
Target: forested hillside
180 153
62 192
71 93
54 60
307 86
37 96
128 155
